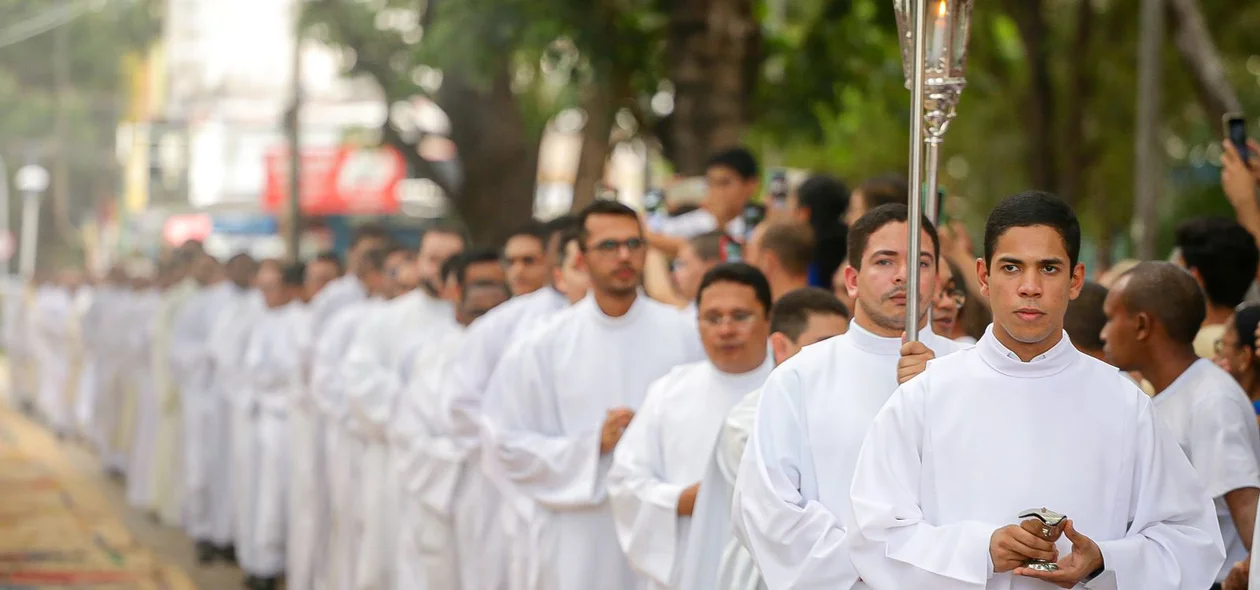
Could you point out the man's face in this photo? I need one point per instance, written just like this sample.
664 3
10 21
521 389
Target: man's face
400 274
1031 283
526 264
950 297
435 249
733 327
354 258
270 283
318 274
1121 335
570 278
206 270
820 326
477 273
479 300
882 282
689 268
614 254
728 190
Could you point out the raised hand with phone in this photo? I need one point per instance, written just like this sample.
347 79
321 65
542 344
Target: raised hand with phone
1240 173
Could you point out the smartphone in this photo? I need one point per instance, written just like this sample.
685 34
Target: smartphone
1236 131
753 215
779 189
654 201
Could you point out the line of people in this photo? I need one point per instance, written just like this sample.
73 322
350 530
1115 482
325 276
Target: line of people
527 418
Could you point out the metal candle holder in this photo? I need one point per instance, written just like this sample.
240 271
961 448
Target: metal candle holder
933 59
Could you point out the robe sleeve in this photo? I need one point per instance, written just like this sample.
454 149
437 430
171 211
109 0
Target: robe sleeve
733 438
797 542
372 384
645 508
189 353
1224 447
327 378
892 545
558 470
1174 540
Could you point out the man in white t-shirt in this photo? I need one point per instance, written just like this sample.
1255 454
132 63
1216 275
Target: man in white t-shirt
1153 314
733 177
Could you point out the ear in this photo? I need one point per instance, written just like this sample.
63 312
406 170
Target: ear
579 260
1143 325
982 275
1078 281
1198 277
779 344
850 280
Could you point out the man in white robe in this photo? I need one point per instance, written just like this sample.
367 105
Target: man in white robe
272 367
328 390
960 452
109 329
579 380
168 487
142 311
715 558
372 386
430 461
1153 313
657 467
50 343
790 505
193 368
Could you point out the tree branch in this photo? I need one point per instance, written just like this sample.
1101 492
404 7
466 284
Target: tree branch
1194 43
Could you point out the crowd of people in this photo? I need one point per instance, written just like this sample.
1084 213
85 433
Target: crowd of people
616 400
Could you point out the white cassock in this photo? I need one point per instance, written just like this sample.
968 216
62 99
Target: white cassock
502 561
426 556
84 388
310 508
53 309
226 348
1211 418
236 389
110 414
272 366
1064 431
168 481
570 373
140 471
715 558
373 382
667 448
329 390
791 498
192 365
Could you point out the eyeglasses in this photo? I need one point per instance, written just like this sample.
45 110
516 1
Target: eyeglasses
739 319
631 245
958 295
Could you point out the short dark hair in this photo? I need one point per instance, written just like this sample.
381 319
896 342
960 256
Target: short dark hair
1169 294
461 262
1225 255
1032 208
374 259
740 273
738 159
533 229
331 258
708 246
446 228
370 231
559 225
888 189
602 207
792 242
874 220
827 198
569 235
790 314
1085 319
1245 321
293 274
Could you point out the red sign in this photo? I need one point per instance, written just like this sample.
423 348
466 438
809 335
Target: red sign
182 228
337 181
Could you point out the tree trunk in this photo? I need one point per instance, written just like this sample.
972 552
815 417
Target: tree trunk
713 51
1043 169
596 134
1149 161
1194 43
1078 156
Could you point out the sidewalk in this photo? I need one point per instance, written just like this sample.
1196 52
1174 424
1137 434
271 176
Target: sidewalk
65 524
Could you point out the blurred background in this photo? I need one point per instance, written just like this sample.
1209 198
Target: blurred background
161 121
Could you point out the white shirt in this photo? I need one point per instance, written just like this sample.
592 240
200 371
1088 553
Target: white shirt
665 449
1215 424
572 371
791 502
962 449
694 223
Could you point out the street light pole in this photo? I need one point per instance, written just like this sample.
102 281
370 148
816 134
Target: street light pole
32 180
295 154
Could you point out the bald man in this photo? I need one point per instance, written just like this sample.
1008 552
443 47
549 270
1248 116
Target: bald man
1153 315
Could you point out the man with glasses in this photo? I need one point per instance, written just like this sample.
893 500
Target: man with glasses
1153 313
657 468
579 380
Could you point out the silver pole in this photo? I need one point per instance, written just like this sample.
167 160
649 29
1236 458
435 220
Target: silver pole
916 173
933 144
30 233
294 238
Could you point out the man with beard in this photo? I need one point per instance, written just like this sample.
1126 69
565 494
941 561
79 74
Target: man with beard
373 381
791 504
578 381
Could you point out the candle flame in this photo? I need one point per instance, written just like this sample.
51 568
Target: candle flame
940 10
